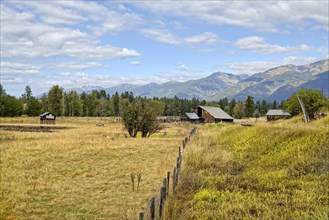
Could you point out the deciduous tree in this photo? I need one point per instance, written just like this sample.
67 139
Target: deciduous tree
313 100
55 100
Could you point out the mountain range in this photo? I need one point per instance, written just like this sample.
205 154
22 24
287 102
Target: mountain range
274 84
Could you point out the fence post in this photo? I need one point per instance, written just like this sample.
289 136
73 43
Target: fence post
168 183
141 215
165 187
162 195
174 180
152 208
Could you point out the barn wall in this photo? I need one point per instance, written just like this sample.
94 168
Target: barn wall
207 117
47 121
274 117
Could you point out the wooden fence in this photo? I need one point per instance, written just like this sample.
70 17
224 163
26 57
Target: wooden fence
155 207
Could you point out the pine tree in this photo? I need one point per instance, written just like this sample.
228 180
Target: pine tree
249 106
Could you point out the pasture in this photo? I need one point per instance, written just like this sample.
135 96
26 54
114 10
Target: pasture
77 170
276 170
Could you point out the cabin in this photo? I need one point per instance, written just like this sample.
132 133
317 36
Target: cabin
47 118
192 117
213 114
276 114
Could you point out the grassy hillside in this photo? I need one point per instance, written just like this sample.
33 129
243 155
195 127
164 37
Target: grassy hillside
273 170
83 171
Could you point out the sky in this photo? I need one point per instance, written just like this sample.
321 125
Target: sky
107 43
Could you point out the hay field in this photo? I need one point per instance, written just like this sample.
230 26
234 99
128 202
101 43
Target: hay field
83 171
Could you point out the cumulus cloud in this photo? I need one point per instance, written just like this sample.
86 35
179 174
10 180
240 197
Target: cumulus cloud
28 34
13 72
258 44
166 36
259 15
76 66
206 38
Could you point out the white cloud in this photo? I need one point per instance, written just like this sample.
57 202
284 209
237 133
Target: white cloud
77 66
184 68
134 62
166 36
23 35
13 72
206 38
261 66
258 44
21 69
161 35
259 15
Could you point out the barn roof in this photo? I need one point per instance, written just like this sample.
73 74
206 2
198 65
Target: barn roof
216 112
192 116
277 112
44 114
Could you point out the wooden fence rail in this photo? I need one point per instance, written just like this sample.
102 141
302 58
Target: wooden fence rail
155 207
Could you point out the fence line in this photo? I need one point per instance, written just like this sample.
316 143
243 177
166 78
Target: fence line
155 207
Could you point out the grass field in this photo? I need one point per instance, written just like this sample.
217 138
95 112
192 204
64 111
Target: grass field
277 170
80 170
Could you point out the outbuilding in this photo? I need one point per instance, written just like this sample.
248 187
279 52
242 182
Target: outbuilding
212 114
47 118
276 114
192 117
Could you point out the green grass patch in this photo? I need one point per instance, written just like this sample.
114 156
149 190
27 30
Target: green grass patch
268 171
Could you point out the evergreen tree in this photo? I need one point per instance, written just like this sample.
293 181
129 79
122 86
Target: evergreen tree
249 106
26 95
116 104
231 106
274 105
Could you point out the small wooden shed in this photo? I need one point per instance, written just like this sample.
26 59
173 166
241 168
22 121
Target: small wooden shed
192 117
47 118
213 114
276 114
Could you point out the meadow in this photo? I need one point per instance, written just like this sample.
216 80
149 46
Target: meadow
277 170
80 170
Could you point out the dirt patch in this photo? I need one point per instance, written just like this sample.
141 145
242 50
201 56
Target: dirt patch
31 128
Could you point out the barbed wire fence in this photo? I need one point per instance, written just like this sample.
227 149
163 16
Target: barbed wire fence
155 207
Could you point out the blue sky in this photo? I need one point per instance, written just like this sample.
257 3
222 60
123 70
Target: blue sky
106 43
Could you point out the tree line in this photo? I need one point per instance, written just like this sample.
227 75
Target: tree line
101 104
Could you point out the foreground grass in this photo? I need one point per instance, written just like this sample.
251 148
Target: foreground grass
269 171
83 172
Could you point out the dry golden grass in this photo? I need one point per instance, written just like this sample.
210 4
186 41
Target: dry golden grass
83 172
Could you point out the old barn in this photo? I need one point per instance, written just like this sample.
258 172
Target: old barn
276 114
47 118
213 114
